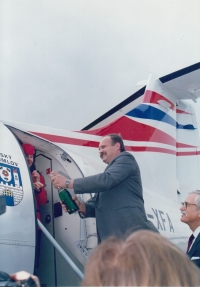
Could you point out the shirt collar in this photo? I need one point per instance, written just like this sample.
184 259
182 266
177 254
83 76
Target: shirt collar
196 232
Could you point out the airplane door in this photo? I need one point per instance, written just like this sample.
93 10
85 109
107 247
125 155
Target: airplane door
18 223
47 269
53 269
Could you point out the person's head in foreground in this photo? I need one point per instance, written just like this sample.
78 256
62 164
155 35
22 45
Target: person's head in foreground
145 258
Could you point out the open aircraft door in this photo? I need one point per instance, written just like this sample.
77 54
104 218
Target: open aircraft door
18 223
75 236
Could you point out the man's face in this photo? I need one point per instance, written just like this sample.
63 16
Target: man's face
29 158
191 214
108 151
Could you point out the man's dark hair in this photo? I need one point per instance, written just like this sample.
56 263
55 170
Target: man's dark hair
116 138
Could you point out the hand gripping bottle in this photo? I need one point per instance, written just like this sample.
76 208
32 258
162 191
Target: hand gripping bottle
67 200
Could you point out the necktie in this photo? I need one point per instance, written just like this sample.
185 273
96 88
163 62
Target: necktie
190 242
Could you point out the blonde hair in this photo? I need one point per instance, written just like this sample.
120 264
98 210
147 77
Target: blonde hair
145 258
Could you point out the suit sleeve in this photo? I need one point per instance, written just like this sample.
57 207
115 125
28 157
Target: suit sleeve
90 207
116 173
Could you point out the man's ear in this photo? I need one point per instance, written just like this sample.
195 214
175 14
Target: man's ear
118 146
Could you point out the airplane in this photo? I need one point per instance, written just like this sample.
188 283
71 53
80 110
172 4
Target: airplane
159 127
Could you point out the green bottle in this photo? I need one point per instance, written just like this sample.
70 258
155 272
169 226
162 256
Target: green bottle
67 200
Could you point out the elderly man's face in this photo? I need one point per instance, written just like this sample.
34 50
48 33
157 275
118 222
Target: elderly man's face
190 212
107 150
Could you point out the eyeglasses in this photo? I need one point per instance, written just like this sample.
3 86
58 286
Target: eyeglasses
186 204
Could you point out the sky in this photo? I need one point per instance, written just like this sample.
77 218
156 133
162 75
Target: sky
64 63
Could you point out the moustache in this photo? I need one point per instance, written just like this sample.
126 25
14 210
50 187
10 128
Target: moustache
101 154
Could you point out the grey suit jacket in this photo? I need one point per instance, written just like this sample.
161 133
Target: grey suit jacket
118 204
194 252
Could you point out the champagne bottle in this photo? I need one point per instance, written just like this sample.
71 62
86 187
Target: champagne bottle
67 200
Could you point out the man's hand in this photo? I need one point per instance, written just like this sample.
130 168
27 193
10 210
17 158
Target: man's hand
58 180
23 275
36 180
38 185
35 176
81 205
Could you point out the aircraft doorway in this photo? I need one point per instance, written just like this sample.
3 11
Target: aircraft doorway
74 235
65 228
46 270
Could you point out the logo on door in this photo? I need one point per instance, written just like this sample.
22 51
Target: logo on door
11 184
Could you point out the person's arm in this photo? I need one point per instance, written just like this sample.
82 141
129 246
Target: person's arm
36 181
41 196
116 173
59 181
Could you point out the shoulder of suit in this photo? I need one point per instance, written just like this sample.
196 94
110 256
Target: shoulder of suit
126 154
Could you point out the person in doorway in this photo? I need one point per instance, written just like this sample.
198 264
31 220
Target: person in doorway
118 203
39 190
190 210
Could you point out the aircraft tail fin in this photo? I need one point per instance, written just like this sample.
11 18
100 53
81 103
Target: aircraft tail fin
161 129
149 115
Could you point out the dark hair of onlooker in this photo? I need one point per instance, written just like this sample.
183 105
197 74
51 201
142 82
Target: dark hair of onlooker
115 138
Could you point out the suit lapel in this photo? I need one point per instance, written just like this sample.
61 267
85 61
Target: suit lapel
190 253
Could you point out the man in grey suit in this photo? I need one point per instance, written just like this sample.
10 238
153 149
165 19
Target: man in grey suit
118 203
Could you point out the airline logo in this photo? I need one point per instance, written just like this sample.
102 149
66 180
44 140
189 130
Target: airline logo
11 184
